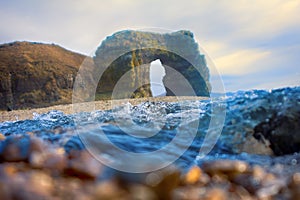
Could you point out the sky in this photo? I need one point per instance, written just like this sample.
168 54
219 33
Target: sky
253 44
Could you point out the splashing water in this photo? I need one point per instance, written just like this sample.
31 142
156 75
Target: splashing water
150 126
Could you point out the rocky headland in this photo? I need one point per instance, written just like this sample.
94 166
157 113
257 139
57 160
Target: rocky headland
37 75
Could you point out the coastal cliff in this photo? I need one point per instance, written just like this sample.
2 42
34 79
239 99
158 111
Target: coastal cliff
36 75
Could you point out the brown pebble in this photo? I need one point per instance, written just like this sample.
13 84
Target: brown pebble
270 186
216 194
189 193
142 192
41 184
296 178
248 182
294 186
49 160
2 137
258 173
169 180
109 190
10 170
15 148
193 175
225 166
37 145
83 165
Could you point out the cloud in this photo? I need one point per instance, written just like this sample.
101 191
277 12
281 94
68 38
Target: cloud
242 37
240 62
214 48
266 18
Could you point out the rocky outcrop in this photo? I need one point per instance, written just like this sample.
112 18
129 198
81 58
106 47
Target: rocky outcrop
36 75
282 129
131 52
266 122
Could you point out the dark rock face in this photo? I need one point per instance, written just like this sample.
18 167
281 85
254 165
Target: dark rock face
36 75
271 118
266 122
133 51
282 130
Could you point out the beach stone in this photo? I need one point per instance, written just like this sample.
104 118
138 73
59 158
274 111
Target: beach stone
189 193
195 175
24 183
216 194
294 186
19 148
169 180
260 183
83 165
225 167
248 182
2 137
109 190
9 170
15 148
37 145
139 191
40 183
49 160
270 191
252 180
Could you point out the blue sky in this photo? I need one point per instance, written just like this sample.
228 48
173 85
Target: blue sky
253 44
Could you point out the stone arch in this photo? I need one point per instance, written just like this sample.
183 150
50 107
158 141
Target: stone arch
124 52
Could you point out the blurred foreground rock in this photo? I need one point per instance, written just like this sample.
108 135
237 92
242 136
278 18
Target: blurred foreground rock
34 169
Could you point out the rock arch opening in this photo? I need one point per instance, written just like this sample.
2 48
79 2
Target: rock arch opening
157 73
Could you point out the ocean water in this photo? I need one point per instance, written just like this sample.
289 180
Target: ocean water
149 128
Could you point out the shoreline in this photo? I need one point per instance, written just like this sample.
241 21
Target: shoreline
16 115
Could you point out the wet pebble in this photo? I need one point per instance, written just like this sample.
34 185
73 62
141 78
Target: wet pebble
2 137
109 190
294 186
195 175
169 179
225 167
82 164
15 148
216 194
48 160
